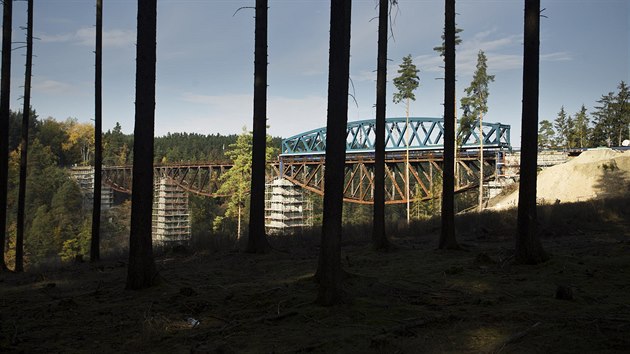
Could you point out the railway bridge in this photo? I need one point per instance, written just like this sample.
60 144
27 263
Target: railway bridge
418 141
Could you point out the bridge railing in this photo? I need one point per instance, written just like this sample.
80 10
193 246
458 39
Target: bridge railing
422 133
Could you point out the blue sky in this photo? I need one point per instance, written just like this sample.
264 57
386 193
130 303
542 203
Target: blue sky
205 60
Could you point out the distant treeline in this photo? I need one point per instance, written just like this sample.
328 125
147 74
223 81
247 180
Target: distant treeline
72 143
607 125
57 219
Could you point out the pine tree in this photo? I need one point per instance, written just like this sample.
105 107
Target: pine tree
447 234
236 181
562 124
379 238
528 248
406 84
475 103
546 135
442 48
622 113
475 106
141 272
95 239
5 114
611 118
602 132
257 240
580 128
19 241
329 271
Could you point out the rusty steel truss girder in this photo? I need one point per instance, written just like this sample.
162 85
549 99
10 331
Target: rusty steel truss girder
201 179
425 175
425 171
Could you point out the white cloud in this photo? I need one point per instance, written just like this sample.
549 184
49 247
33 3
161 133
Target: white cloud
503 52
52 87
86 36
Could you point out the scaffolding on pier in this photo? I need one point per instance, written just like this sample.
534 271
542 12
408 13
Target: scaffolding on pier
286 209
171 219
84 177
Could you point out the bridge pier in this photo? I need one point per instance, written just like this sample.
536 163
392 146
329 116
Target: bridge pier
171 218
84 177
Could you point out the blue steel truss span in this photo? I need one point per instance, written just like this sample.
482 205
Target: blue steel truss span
422 133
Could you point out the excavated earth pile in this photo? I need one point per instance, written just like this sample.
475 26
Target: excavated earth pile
596 173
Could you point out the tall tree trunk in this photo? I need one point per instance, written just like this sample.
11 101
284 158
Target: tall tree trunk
5 90
257 240
26 112
329 271
528 247
447 236
238 223
142 272
379 238
98 145
407 194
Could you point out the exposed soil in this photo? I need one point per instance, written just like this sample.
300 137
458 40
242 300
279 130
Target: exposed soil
415 299
595 173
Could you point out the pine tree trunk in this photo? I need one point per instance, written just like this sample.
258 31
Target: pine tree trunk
5 89
447 236
407 161
329 272
142 272
19 239
528 247
379 238
98 145
238 223
257 240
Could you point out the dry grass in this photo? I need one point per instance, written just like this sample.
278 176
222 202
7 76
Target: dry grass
415 299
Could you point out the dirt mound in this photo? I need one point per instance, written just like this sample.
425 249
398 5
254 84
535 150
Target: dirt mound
593 174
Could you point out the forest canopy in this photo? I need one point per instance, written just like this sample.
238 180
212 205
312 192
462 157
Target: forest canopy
57 224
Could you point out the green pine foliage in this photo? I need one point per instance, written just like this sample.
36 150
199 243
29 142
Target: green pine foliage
57 225
580 131
235 183
407 81
563 127
546 135
607 125
611 118
475 103
441 48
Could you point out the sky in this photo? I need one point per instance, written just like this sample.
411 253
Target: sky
205 51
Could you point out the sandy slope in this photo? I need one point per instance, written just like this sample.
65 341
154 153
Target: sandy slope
595 173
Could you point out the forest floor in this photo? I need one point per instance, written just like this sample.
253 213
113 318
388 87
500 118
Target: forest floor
415 299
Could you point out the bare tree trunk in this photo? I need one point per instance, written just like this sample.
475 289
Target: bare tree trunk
98 145
480 162
329 270
447 236
142 272
379 238
5 93
238 223
407 161
19 239
528 247
257 240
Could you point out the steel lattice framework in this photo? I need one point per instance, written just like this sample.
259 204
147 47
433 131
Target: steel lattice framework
303 162
421 133
201 179
425 175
